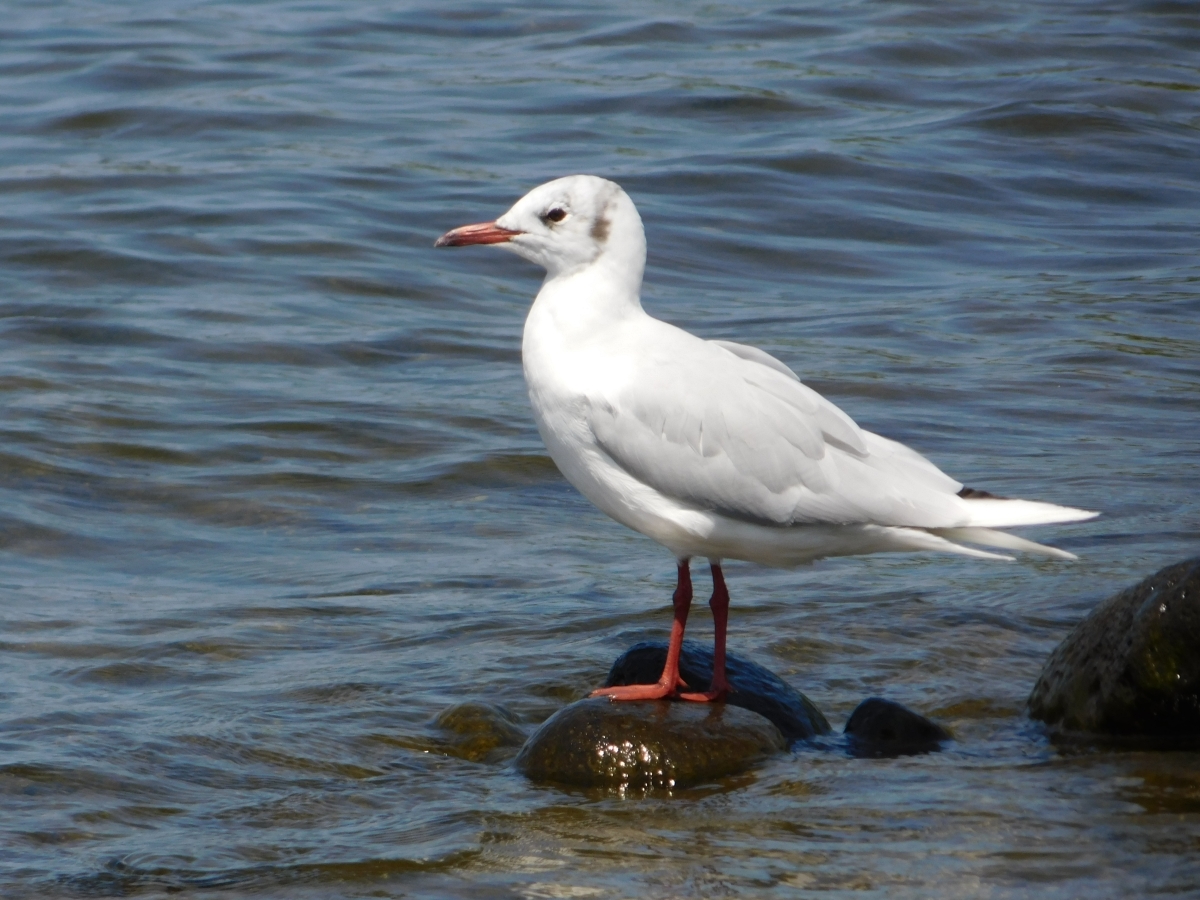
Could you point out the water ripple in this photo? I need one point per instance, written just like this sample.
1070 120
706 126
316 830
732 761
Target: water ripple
271 499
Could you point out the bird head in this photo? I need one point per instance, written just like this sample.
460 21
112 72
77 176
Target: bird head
565 225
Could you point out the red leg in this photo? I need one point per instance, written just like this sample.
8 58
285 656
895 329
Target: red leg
670 682
720 610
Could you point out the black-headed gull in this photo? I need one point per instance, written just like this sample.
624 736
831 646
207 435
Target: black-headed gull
711 448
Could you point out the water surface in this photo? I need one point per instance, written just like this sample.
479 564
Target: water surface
271 498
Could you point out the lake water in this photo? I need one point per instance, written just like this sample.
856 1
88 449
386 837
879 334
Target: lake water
271 497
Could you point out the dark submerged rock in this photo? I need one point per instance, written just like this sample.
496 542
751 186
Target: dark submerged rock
477 731
884 728
1132 667
646 744
754 688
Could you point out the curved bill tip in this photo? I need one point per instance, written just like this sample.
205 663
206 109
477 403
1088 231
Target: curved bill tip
482 233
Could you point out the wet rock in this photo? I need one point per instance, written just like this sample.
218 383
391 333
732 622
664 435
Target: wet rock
646 744
477 731
1132 667
754 688
883 728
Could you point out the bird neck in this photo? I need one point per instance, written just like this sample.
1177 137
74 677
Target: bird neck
592 297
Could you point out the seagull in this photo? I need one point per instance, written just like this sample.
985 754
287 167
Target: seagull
711 448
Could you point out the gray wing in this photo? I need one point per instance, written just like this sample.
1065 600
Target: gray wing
753 354
729 428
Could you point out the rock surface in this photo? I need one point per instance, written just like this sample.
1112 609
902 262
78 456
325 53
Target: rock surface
754 688
646 744
477 731
1132 667
883 728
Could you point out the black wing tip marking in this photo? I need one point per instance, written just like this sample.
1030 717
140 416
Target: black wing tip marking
970 493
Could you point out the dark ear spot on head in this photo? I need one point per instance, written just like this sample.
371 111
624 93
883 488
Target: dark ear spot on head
600 228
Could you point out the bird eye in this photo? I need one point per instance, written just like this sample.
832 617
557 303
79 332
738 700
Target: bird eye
555 215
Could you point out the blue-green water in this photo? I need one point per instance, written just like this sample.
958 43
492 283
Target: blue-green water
271 498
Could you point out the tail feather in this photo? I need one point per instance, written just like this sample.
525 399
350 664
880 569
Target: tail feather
994 512
989 537
937 540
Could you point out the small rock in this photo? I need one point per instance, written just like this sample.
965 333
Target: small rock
884 728
475 731
754 688
1132 667
646 744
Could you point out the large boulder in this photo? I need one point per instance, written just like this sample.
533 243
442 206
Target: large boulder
1132 667
642 745
753 687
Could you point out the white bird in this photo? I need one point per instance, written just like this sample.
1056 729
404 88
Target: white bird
711 448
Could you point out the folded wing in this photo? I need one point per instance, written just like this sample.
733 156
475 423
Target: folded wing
732 430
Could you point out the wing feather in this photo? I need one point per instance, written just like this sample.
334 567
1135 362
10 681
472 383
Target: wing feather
732 430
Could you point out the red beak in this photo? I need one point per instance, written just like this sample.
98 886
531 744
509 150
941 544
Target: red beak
483 233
